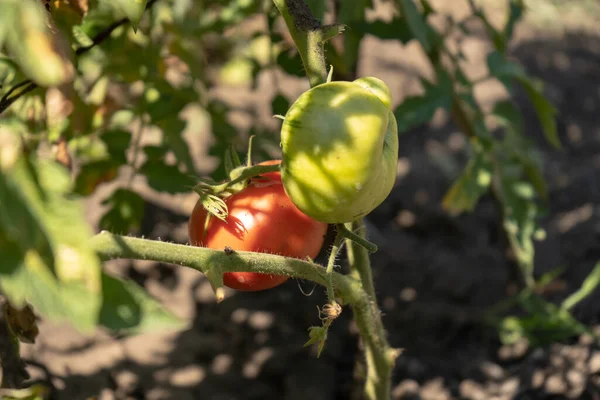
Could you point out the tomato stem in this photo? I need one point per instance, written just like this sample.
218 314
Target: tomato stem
309 36
348 234
380 357
337 244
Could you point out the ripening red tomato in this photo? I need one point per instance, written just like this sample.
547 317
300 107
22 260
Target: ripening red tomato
261 218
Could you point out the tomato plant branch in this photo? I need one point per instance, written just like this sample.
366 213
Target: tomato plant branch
309 36
368 318
349 234
335 249
359 257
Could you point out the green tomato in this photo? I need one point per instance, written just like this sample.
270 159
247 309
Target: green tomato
340 149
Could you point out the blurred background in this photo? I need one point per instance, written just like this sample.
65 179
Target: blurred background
198 76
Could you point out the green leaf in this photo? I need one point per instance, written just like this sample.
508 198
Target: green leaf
416 23
471 185
280 104
125 213
317 334
117 142
506 71
95 173
515 13
291 62
519 219
54 268
167 178
128 308
173 133
500 67
417 110
397 29
508 115
318 8
590 284
545 111
132 9
44 56
351 13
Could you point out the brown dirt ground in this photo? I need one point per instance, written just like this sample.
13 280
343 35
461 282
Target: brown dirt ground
435 275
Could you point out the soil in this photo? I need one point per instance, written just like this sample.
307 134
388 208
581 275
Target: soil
435 275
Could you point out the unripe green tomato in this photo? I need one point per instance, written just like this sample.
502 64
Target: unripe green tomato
340 149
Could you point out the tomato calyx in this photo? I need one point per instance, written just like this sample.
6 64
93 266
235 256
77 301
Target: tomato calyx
212 194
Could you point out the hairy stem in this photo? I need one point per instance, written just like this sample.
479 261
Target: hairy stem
309 37
109 246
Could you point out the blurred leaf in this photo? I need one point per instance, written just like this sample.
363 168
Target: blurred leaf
125 212
471 185
117 142
545 111
290 62
173 133
351 13
167 178
590 284
505 71
397 29
34 392
280 104
318 8
132 9
155 153
515 13
416 23
63 282
417 110
44 56
508 115
67 14
519 223
545 324
95 173
224 134
535 175
164 101
128 308
502 68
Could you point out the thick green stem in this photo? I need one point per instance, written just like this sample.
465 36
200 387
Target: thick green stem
337 243
380 356
109 246
309 36
359 257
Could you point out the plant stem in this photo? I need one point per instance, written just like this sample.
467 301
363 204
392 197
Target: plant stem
359 257
309 36
349 234
335 249
109 246
381 357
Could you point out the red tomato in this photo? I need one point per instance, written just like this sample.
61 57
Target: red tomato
263 219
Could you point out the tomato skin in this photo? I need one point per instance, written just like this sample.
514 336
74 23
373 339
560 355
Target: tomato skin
340 149
261 218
